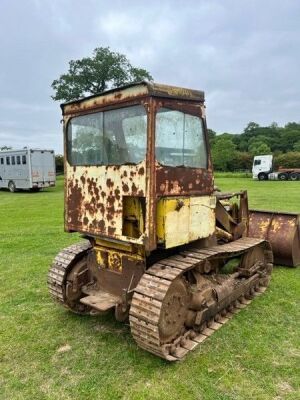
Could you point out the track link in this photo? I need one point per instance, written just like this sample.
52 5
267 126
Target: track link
60 267
147 301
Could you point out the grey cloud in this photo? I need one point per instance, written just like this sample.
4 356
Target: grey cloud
245 55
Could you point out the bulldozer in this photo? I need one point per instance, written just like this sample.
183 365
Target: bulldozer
162 247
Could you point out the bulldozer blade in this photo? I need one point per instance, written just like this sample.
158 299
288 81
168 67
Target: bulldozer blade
282 230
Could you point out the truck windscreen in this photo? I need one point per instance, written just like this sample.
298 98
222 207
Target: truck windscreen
112 137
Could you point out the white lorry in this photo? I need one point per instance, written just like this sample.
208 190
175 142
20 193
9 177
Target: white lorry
263 170
27 169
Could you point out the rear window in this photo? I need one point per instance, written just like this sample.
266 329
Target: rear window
2 160
24 159
18 160
8 160
13 160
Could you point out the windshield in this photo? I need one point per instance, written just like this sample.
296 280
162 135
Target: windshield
180 139
108 138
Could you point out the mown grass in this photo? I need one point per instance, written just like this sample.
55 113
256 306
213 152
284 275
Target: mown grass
48 353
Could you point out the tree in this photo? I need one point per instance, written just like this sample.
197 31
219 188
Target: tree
5 148
259 148
223 153
59 163
296 146
91 75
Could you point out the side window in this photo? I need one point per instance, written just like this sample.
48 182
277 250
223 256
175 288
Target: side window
13 160
2 161
180 139
18 160
23 159
7 160
257 162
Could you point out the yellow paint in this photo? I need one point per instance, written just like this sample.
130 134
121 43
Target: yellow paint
123 246
112 259
133 218
181 220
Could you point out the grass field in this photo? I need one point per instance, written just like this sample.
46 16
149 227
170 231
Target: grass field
48 353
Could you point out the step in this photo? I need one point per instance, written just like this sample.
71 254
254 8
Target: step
100 300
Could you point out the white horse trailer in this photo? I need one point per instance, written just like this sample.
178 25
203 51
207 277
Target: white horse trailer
27 169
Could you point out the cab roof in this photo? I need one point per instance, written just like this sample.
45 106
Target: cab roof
131 91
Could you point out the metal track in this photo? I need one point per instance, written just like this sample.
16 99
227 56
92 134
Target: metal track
147 301
61 265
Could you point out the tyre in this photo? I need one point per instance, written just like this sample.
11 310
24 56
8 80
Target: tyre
262 176
11 186
283 176
294 176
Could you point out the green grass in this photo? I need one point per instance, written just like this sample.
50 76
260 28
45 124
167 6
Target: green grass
48 353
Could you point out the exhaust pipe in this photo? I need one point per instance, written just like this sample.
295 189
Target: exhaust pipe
282 230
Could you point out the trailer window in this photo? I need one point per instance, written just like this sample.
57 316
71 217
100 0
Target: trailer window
24 159
180 139
13 160
7 160
2 161
18 160
108 138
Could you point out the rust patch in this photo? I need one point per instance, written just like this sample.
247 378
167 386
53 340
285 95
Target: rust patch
181 180
109 183
141 171
125 187
94 197
111 230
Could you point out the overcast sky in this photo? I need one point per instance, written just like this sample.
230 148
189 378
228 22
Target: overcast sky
244 54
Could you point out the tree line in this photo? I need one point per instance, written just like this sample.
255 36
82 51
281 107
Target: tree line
235 152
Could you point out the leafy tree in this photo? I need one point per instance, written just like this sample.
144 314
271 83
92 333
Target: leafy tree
296 146
223 153
259 148
59 163
288 160
5 148
251 127
90 75
211 135
242 161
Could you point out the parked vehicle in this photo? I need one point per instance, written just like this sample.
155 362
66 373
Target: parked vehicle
263 170
141 191
27 169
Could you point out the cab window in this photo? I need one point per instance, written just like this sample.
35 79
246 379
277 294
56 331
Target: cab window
180 139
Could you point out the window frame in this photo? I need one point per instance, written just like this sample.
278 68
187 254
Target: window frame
191 110
103 110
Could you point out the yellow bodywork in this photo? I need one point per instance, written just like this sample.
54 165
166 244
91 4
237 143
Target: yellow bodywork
181 220
109 255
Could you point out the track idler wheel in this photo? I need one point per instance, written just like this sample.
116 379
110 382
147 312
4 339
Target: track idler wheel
173 311
76 278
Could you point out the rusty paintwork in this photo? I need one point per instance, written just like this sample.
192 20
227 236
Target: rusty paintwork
282 230
94 197
128 93
183 181
94 194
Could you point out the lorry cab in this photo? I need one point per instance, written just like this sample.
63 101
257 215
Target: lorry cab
262 166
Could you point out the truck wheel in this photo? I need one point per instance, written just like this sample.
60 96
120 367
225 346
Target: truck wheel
283 177
263 176
11 186
294 176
